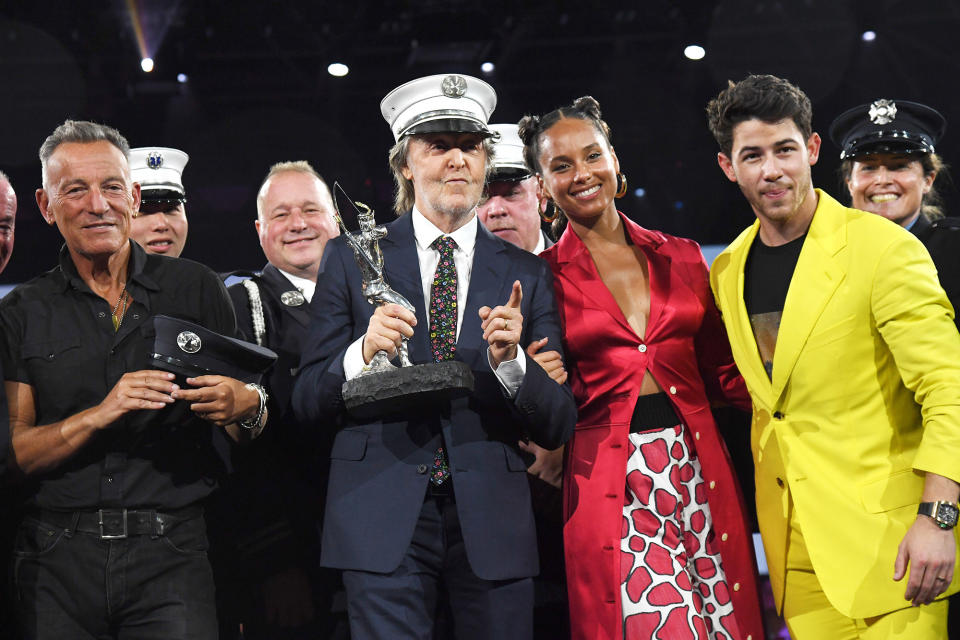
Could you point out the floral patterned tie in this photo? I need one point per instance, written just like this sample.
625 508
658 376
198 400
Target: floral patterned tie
443 302
443 328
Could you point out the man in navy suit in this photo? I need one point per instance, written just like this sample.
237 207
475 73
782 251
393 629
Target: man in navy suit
437 498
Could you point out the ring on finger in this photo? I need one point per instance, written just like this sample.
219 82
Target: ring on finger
506 324
940 579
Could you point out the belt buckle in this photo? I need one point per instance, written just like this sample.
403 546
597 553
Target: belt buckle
112 536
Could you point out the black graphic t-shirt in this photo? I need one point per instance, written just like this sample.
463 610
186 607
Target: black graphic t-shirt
766 280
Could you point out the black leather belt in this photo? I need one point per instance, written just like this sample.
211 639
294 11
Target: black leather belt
116 524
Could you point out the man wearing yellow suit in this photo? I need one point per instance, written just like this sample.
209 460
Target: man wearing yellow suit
845 339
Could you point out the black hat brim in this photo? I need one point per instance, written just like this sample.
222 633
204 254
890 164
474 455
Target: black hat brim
162 196
214 353
449 125
509 174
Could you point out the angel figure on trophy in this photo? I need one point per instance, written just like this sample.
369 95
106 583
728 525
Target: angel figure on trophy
382 387
366 248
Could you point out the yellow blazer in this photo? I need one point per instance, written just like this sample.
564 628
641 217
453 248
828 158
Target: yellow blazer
865 398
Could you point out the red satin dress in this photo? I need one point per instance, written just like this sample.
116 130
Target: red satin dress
686 351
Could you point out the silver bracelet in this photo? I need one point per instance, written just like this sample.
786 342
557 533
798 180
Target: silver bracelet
255 423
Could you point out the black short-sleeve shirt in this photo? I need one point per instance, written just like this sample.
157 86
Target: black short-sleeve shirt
58 337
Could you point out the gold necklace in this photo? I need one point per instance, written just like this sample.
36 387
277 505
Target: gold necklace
117 320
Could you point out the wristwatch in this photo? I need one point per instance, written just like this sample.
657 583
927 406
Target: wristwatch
256 424
943 513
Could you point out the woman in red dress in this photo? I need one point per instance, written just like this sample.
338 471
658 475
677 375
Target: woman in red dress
656 540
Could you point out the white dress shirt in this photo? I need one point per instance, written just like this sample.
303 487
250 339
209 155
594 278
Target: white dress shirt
510 372
541 243
306 287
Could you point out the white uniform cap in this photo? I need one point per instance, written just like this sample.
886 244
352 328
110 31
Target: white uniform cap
508 161
441 103
158 169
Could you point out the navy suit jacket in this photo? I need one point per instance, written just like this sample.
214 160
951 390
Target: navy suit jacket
378 468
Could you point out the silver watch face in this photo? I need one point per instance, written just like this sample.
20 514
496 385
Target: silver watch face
946 515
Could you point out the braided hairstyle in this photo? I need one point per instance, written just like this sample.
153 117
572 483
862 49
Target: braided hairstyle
532 128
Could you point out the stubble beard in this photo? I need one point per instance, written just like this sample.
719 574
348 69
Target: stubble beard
784 211
456 213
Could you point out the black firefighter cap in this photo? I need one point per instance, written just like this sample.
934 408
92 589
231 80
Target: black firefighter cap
187 349
887 126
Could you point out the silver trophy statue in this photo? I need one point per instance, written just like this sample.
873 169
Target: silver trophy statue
383 387
366 249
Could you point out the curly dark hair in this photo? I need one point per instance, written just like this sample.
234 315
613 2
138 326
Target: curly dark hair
532 128
762 97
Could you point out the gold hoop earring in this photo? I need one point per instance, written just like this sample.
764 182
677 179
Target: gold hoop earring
621 185
543 211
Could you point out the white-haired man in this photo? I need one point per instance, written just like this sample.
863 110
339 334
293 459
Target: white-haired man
436 498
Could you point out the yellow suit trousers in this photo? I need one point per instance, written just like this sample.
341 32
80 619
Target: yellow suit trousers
810 616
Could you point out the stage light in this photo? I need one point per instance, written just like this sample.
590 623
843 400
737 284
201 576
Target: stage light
338 69
487 67
146 64
678 205
869 36
694 52
182 78
639 192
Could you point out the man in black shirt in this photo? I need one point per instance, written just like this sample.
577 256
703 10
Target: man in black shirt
116 455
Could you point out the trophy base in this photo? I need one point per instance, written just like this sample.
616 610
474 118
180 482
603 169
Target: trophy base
403 389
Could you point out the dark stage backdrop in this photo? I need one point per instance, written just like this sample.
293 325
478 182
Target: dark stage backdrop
256 90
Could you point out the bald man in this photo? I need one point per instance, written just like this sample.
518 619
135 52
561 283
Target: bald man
8 218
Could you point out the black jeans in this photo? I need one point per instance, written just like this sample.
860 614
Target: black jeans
73 584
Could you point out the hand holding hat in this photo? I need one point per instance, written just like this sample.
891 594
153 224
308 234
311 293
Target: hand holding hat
135 391
221 370
221 400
